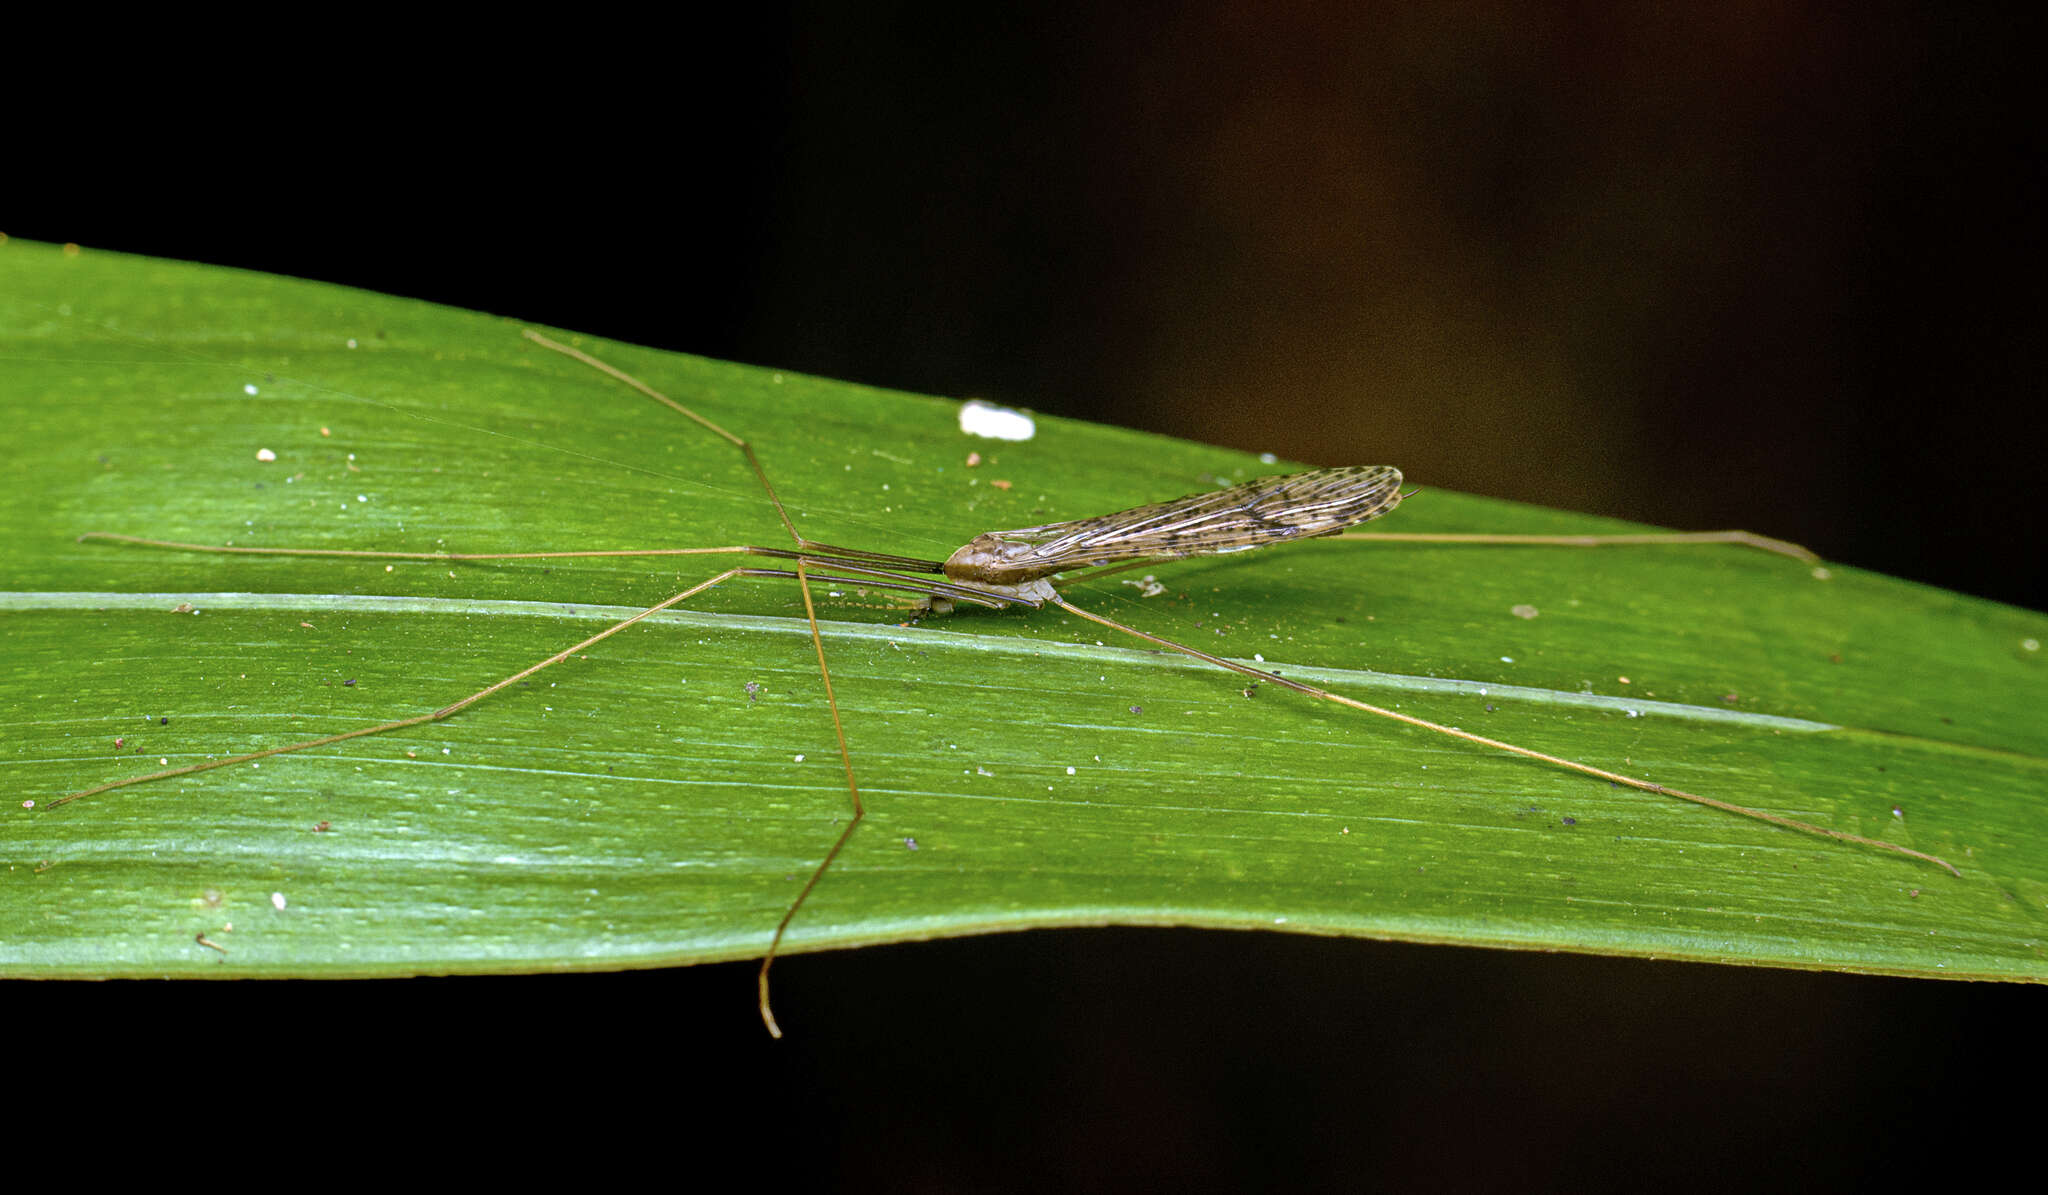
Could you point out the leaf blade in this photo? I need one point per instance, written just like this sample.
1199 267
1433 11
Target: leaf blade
647 807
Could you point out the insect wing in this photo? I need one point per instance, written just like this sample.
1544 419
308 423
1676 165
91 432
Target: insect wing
1266 511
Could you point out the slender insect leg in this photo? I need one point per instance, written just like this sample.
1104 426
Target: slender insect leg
614 372
860 809
1483 741
447 711
803 581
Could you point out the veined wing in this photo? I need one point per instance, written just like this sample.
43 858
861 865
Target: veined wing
1266 511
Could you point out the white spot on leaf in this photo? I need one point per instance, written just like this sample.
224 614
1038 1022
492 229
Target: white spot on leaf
991 422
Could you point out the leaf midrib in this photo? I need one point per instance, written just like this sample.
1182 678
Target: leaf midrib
942 639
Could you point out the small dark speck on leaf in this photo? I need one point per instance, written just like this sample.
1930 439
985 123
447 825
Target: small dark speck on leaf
163 721
349 683
1571 821
1137 709
910 844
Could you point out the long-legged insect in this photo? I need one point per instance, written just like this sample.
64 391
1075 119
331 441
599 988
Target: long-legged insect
1021 567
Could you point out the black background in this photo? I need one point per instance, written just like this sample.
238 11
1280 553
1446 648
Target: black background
1728 265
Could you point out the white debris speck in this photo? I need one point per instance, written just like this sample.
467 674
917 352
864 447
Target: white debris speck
362 497
989 421
1267 458
2030 644
1070 771
250 389
277 901
799 759
1148 587
351 342
29 804
265 455
1524 610
1507 659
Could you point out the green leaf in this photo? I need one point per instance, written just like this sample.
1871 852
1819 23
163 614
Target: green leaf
661 798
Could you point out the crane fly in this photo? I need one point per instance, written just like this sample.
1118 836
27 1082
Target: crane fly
1024 567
